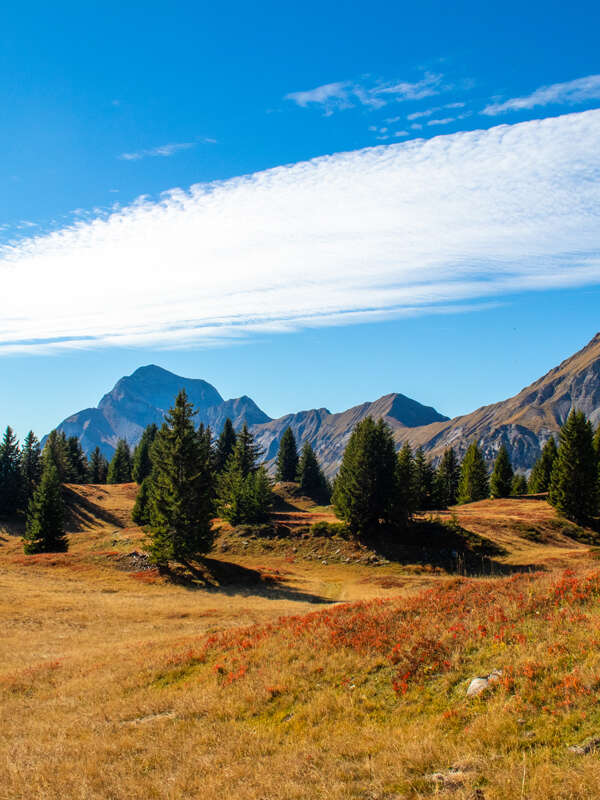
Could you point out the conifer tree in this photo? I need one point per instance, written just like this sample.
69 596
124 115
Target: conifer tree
141 508
78 466
225 446
287 457
365 491
502 475
31 466
311 477
44 532
98 467
142 459
244 488
447 479
56 452
541 474
10 474
405 467
181 502
246 452
519 485
119 469
423 476
473 484
574 481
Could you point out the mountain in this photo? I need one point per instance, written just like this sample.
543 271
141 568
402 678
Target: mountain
523 422
142 398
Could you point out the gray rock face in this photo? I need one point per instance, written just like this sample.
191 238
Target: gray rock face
479 685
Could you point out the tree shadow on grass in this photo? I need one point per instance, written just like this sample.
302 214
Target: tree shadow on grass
231 579
80 511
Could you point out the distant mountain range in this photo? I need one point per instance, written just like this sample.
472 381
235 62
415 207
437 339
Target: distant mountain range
523 423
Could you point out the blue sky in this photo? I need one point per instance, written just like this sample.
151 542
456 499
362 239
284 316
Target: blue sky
455 263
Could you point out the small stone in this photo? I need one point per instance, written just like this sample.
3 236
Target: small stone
477 686
324 563
589 745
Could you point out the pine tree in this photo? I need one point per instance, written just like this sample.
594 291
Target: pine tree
502 475
246 452
447 479
519 485
10 474
56 452
287 457
574 481
142 459
311 477
541 474
31 467
423 476
78 466
141 508
119 469
473 484
225 446
405 482
244 488
364 493
44 532
98 467
181 505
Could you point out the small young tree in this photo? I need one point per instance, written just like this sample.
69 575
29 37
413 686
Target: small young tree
519 485
502 475
181 504
473 483
541 474
31 467
225 446
98 467
287 457
311 477
574 482
119 469
45 532
10 474
447 479
141 508
142 459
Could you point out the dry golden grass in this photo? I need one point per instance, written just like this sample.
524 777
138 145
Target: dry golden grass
117 684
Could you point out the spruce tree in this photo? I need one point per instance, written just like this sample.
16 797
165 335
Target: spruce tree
364 493
246 452
473 484
405 483
31 466
423 477
541 474
519 485
45 532
447 479
56 452
244 488
142 459
287 457
502 475
311 477
181 504
78 466
225 446
10 474
119 469
574 481
98 467
141 508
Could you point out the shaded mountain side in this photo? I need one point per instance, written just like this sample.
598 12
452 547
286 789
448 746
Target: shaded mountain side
523 422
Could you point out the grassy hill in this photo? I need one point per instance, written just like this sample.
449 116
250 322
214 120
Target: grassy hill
251 679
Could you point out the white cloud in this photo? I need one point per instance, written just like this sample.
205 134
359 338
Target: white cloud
164 150
443 121
569 93
425 226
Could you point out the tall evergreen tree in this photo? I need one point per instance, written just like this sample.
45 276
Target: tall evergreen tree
447 479
423 476
45 532
78 466
225 446
246 452
181 505
405 483
31 466
311 477
119 469
541 474
56 452
98 467
574 482
473 484
142 459
287 457
502 475
10 474
519 485
365 490
244 488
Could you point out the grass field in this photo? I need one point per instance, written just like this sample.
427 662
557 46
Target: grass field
295 666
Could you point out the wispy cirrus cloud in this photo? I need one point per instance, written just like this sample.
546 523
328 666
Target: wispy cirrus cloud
426 226
163 150
569 93
349 94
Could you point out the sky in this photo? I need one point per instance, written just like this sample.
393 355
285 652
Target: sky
313 204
